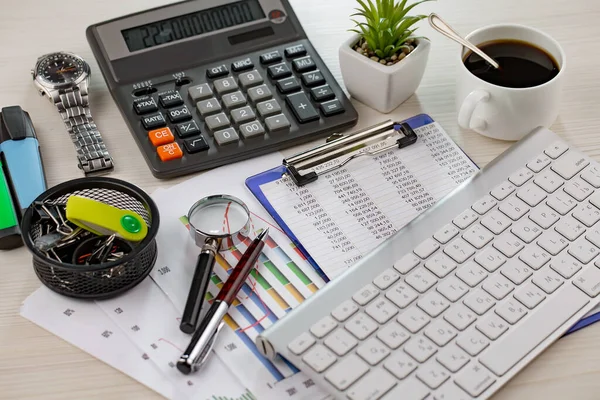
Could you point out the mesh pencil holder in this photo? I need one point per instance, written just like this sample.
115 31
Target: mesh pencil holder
99 281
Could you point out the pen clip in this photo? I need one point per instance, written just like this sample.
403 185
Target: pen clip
210 345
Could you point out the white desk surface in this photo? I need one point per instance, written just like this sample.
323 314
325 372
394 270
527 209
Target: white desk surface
34 364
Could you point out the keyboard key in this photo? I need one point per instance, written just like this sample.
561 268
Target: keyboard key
373 351
593 235
478 236
544 216
242 65
496 222
465 219
216 72
295 51
301 343
187 129
570 228
259 93
459 316
548 181
226 136
233 100
445 234
484 205
361 326
319 358
595 199
498 286
161 136
583 251
248 79
322 93
453 358
169 152
366 294
503 190
561 202
451 392
421 280
400 364
312 79
521 176
440 264
433 374
534 256
508 244
269 107
511 311
514 208
539 163
472 341
302 108
413 319
332 107
516 271
440 332
547 280
252 129
277 123
579 189
479 301
420 348
471 274
589 281
433 304
154 121
411 389
552 242
592 176
270 57
195 145
526 230
386 279
209 106
145 105
401 295
393 335
570 164
171 98
279 71
517 343
531 194
452 288
304 64
426 248
381 310
588 214
530 295
372 386
490 259
215 122
225 85
407 263
556 149
323 327
240 115
459 250
340 342
344 311
179 114
475 379
288 85
200 92
346 372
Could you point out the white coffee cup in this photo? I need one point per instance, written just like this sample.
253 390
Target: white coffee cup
502 112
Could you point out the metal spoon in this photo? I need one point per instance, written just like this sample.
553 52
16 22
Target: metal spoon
442 27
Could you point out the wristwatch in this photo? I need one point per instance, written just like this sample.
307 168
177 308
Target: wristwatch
64 78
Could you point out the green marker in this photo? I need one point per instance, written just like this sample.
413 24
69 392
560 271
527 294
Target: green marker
10 233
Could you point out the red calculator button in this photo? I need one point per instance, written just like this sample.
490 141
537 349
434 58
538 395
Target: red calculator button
170 151
161 136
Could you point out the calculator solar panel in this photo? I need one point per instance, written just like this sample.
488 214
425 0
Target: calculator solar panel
213 82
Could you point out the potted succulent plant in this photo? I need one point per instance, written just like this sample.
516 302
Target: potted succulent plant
383 62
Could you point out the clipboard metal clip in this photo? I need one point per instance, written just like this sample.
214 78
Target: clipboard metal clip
306 167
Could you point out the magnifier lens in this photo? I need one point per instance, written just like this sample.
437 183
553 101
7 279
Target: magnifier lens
219 218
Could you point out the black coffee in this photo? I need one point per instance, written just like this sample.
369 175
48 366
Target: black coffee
522 65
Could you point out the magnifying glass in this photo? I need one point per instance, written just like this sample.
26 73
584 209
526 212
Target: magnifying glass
214 221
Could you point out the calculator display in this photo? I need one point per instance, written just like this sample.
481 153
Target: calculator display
193 24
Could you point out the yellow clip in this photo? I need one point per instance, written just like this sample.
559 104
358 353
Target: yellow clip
103 219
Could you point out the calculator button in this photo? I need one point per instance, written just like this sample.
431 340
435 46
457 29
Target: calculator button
252 129
215 122
251 78
233 100
279 71
145 105
288 85
195 145
217 72
179 114
200 92
226 136
169 152
295 51
209 106
277 123
267 108
161 136
300 105
225 85
332 107
322 93
188 129
243 114
259 93
171 98
304 64
271 57
153 121
242 65
314 78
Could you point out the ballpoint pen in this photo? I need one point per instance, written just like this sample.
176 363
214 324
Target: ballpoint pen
203 340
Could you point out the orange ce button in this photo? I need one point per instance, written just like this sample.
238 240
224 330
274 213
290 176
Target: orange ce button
161 136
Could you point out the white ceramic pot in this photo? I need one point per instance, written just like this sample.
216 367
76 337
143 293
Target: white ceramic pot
380 86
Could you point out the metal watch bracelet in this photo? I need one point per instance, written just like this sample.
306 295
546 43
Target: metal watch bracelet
74 109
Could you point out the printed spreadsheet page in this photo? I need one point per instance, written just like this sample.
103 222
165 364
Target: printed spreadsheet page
346 213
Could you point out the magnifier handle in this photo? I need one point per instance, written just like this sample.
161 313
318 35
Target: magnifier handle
193 305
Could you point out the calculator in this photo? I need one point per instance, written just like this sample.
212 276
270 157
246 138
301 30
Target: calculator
205 83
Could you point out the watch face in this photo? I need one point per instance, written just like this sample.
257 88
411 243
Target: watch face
60 68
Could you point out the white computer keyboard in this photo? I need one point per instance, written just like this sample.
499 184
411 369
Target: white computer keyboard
462 298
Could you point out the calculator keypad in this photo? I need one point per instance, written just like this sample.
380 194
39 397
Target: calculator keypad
270 57
279 71
304 64
171 98
188 129
302 107
252 129
277 123
259 93
210 106
218 121
226 136
200 92
179 114
225 85
240 115
153 121
234 100
145 105
251 78
267 108
288 85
